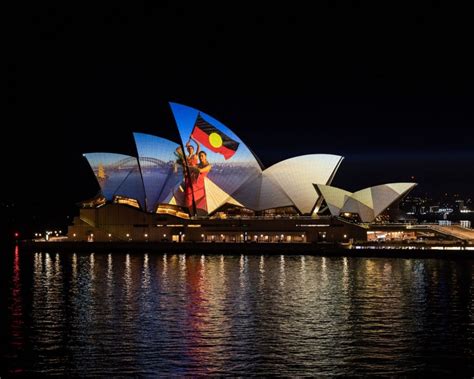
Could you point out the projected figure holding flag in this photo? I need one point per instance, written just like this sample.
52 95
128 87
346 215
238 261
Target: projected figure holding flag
192 158
198 175
212 138
193 186
196 166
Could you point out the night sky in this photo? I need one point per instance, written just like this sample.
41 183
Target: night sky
391 89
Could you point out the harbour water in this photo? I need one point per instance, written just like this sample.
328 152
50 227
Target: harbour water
88 314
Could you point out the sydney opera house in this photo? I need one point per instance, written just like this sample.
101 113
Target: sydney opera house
210 187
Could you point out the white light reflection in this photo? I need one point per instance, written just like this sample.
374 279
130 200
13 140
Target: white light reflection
128 278
164 272
345 274
57 264
110 267
261 269
182 268
202 272
91 268
261 265
303 269
47 264
47 306
324 271
74 273
146 273
387 272
38 264
282 270
243 272
203 266
222 268
110 280
165 262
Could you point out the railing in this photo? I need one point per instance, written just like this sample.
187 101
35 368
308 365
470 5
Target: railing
278 217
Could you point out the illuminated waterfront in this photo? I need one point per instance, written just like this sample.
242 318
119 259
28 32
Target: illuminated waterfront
177 314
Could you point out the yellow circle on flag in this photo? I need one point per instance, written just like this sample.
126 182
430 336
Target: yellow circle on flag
215 140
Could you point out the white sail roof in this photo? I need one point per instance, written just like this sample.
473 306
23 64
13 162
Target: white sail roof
368 203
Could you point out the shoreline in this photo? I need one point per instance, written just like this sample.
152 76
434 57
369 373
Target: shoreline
408 251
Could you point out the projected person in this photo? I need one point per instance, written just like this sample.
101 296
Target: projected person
198 174
195 167
192 158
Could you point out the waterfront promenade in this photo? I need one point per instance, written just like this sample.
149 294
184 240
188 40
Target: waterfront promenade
405 250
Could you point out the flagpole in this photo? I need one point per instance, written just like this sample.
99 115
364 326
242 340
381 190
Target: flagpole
189 172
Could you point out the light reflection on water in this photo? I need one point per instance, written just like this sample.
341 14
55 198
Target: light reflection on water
177 314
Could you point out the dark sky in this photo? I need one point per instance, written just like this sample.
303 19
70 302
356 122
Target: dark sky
391 89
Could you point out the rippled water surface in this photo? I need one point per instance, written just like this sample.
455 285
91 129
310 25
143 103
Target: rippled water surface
150 314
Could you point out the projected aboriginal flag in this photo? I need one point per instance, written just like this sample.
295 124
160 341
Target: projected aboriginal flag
211 137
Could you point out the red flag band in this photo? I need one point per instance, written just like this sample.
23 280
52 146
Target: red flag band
213 138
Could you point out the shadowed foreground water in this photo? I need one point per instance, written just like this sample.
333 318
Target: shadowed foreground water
148 314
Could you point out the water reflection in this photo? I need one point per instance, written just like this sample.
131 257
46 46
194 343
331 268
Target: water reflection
345 275
282 270
176 315
16 308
